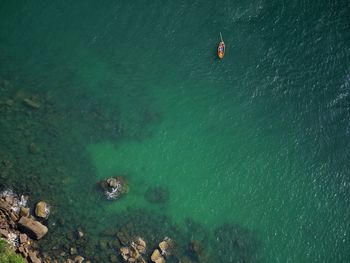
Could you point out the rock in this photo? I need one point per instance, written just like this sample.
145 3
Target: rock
33 228
24 211
42 210
139 244
185 259
112 182
33 257
166 246
4 233
31 103
114 187
157 257
196 247
10 199
23 238
80 233
123 238
78 259
134 253
32 148
103 244
73 251
22 251
125 253
113 258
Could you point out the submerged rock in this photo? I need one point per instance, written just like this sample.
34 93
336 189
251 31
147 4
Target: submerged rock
157 194
31 103
234 243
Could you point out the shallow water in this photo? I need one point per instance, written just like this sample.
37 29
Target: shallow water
260 139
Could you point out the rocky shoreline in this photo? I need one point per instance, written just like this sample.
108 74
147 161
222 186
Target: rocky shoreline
24 228
37 142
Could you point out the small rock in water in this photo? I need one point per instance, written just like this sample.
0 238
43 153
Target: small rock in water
80 233
42 210
78 259
157 194
157 257
73 251
166 246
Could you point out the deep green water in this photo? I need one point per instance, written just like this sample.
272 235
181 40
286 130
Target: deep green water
260 139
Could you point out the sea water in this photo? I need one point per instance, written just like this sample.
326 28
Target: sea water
259 139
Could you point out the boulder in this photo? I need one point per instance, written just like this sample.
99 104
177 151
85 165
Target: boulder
33 257
125 253
24 211
73 251
139 244
23 238
166 246
113 258
78 259
31 227
42 210
156 257
4 233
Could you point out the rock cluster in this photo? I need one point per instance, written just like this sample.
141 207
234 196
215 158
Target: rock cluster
135 250
19 230
22 230
114 187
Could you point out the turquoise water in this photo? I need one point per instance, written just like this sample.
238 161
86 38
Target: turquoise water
260 139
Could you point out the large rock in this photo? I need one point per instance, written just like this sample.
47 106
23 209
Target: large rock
33 228
114 187
42 210
167 246
156 257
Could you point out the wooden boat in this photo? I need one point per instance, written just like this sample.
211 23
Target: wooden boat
221 48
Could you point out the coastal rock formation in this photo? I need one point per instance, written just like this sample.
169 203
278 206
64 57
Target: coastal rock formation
21 230
114 187
14 230
33 228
